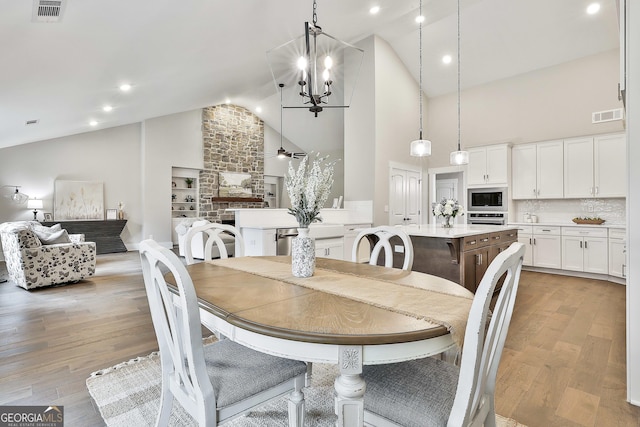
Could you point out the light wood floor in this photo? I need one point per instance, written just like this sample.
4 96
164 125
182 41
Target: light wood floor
563 364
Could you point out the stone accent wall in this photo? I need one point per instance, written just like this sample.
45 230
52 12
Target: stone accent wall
233 141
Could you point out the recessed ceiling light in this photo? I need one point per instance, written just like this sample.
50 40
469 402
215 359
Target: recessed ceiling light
419 19
374 10
447 59
258 109
107 108
93 123
593 8
125 87
227 101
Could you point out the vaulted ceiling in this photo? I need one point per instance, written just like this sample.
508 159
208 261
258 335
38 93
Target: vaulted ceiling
181 55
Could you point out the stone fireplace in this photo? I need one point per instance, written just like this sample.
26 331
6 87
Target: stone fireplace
233 141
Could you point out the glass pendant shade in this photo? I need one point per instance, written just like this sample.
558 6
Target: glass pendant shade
459 158
16 196
420 148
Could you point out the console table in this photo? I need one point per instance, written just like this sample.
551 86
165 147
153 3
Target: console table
106 234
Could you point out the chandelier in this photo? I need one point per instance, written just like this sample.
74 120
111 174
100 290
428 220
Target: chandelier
318 70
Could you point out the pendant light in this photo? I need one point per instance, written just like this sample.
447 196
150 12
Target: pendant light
420 147
282 153
459 157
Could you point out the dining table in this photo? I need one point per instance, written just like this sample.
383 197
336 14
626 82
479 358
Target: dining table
346 313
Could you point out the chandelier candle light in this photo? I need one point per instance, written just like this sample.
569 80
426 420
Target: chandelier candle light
448 209
308 187
311 65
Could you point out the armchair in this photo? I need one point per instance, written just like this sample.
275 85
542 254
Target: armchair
39 256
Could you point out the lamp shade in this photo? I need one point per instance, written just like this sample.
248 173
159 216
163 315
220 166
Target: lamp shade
459 158
34 204
420 148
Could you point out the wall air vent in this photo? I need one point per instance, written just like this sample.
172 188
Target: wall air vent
607 116
48 10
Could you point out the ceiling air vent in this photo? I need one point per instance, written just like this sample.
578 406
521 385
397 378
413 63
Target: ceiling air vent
48 10
31 122
607 116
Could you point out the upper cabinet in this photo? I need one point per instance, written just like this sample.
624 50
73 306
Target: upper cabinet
537 170
595 166
488 165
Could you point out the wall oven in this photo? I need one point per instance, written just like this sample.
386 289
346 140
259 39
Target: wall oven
487 199
488 218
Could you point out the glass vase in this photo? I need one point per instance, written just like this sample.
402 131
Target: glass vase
447 221
303 254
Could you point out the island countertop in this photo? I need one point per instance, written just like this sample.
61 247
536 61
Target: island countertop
457 231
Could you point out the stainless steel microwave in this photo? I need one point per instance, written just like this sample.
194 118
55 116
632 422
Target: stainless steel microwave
487 199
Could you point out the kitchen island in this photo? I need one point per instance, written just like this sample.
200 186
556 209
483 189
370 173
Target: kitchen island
461 253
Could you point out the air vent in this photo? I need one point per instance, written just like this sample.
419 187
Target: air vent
31 122
607 116
48 10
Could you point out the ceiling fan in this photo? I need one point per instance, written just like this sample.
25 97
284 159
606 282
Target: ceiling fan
282 153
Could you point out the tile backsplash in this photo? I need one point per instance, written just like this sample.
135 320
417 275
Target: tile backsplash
564 210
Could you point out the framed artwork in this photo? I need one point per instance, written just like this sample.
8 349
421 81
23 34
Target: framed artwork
78 200
48 216
112 214
234 184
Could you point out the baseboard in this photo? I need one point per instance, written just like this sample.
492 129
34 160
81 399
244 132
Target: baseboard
606 277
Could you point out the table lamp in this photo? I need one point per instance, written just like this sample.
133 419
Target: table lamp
34 204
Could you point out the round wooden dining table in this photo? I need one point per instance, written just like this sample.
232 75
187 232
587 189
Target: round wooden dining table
347 314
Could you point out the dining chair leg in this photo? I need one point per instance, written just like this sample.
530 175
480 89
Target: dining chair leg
309 373
296 404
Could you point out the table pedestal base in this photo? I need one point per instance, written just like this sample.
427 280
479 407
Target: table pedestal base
350 387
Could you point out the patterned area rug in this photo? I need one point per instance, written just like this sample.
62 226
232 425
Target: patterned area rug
128 394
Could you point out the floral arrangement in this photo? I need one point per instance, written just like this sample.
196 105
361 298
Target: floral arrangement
448 207
308 188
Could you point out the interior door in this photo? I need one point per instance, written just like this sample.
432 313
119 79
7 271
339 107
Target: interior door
404 196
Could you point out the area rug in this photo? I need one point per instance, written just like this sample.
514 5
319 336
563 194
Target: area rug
128 394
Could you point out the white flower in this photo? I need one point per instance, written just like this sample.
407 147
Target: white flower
309 188
448 207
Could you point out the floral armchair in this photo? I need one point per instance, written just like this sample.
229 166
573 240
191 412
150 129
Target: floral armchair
39 256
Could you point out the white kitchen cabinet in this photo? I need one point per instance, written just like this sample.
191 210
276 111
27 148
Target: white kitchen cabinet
537 171
258 242
525 236
617 253
585 249
350 233
609 169
547 247
595 166
488 165
330 248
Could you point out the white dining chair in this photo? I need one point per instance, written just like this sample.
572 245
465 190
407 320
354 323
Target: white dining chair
430 392
216 382
214 233
382 236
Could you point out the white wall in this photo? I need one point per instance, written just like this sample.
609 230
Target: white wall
551 103
359 131
633 203
111 156
380 125
168 141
